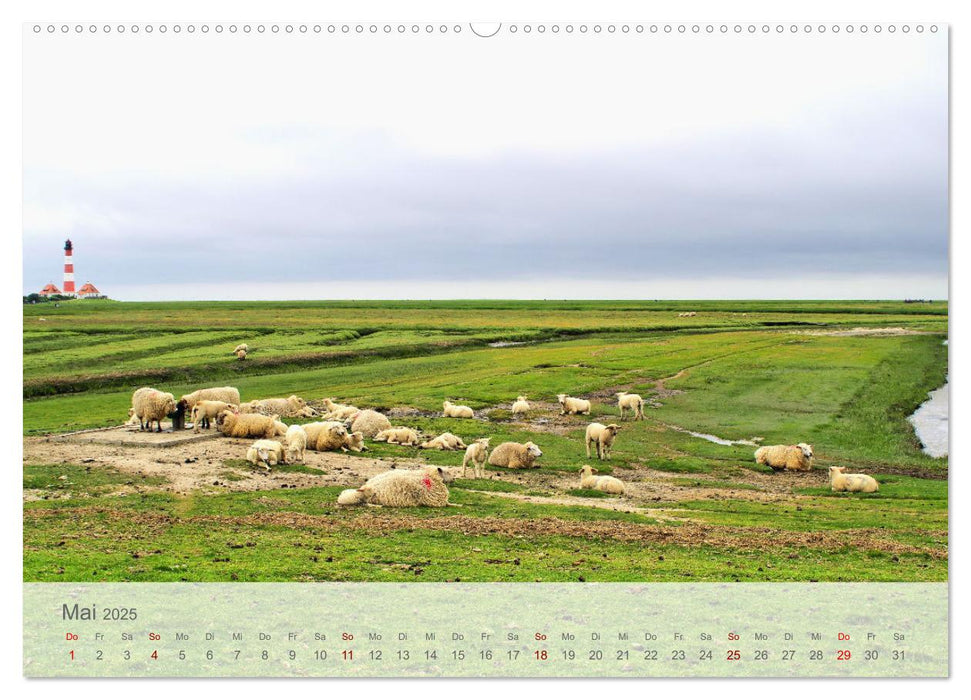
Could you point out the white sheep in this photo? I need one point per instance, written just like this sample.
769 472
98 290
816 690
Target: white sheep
244 425
476 453
265 452
603 437
229 394
296 441
445 441
291 407
607 484
795 457
400 435
152 405
369 422
354 442
205 412
631 402
242 346
521 405
240 354
862 483
401 488
330 438
351 497
570 405
280 426
515 455
339 411
451 410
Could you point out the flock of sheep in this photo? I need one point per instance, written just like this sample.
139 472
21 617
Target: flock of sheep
344 427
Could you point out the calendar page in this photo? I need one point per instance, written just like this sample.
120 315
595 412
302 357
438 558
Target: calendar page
513 349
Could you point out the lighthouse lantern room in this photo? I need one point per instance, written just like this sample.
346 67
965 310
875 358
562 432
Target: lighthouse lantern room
68 269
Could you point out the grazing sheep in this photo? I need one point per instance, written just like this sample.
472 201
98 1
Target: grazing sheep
862 483
603 437
401 488
229 394
151 406
242 346
630 401
521 405
330 439
451 410
795 457
607 484
515 455
205 411
244 425
445 441
265 452
240 354
296 441
476 453
570 405
369 422
354 442
351 497
398 436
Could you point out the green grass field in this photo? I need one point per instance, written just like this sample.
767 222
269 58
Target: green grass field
782 371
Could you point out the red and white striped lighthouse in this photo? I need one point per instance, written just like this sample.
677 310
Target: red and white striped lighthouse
68 269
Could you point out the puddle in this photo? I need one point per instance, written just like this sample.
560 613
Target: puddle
754 442
507 343
931 424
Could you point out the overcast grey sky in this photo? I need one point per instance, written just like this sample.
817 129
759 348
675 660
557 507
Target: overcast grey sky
382 167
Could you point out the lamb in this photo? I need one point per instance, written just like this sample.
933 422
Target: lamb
400 488
354 442
445 441
607 484
265 452
476 453
339 411
242 346
603 437
229 394
205 411
630 401
296 441
152 405
240 355
132 418
398 436
351 497
520 406
570 405
244 425
451 410
862 483
369 422
515 455
779 457
280 426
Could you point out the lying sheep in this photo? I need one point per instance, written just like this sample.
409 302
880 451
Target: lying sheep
244 425
291 407
240 355
205 411
451 410
401 488
265 452
607 484
795 457
445 441
228 394
632 402
242 346
330 439
315 430
296 441
151 406
862 483
339 411
476 453
351 497
515 455
354 442
369 422
570 405
521 405
400 435
687 314
280 426
603 437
